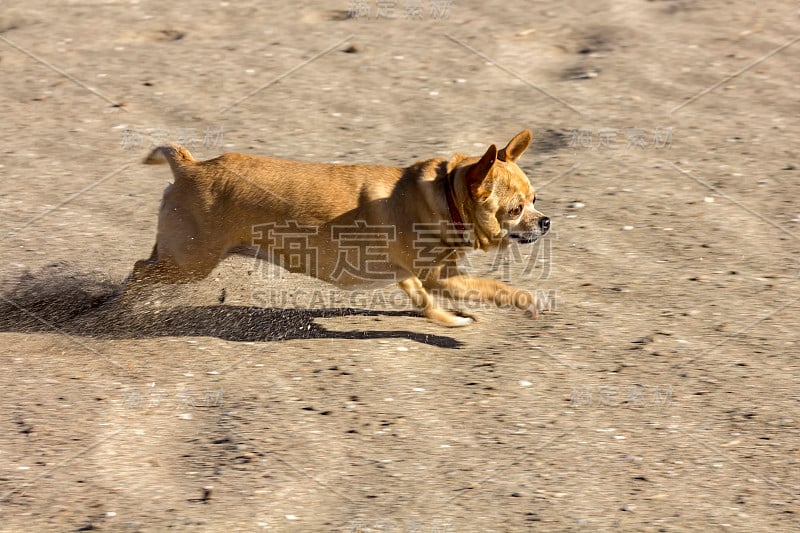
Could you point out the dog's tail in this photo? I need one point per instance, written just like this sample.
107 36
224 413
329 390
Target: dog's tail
174 154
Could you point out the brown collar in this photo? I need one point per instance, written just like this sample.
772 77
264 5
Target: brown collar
454 213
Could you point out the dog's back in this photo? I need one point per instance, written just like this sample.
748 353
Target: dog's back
292 189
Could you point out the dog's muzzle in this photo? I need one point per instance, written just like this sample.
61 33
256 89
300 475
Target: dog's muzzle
531 237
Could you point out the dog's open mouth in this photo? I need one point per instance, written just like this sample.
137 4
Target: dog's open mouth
523 238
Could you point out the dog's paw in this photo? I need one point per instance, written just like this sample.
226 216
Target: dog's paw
539 305
448 319
460 321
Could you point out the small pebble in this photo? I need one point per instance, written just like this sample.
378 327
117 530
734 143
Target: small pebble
524 383
576 205
627 228
709 199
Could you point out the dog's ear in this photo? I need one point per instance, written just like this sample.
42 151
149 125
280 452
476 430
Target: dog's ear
516 147
478 172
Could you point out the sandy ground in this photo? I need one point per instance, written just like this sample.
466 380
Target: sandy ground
662 395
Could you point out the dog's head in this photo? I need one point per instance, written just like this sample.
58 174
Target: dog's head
500 197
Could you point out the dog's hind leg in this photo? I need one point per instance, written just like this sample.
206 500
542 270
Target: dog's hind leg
186 249
165 267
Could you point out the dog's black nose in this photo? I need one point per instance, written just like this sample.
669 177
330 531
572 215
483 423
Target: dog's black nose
544 224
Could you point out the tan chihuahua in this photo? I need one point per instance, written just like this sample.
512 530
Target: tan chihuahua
350 225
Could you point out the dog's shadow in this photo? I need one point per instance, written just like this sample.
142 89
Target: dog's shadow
59 299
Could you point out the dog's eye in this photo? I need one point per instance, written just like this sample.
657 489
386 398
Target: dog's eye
534 201
517 211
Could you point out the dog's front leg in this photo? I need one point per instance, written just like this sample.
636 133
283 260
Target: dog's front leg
423 300
489 290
